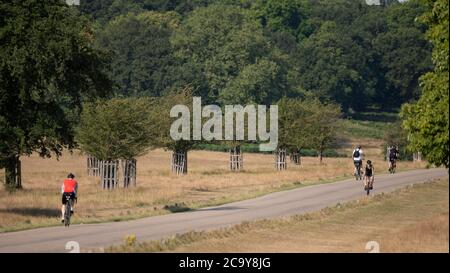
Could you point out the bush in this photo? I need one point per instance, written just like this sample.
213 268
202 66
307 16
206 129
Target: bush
254 148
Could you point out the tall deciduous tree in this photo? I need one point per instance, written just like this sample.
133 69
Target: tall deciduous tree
426 121
227 47
142 55
48 65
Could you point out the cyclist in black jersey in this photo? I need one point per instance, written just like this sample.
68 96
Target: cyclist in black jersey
369 175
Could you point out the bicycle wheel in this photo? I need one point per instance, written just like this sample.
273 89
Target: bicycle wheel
67 213
358 173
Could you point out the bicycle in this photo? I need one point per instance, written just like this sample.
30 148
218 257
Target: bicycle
68 210
367 182
392 166
358 173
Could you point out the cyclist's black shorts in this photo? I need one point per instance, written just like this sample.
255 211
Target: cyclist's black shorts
358 163
392 159
71 194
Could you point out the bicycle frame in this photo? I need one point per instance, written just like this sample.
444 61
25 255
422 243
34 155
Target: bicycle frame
368 182
358 173
67 210
392 166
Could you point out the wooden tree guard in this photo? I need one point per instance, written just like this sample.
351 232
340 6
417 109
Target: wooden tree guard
179 162
236 159
295 157
280 159
93 166
129 172
109 174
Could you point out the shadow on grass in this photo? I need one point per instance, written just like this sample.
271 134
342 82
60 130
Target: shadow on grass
376 116
177 208
222 208
33 211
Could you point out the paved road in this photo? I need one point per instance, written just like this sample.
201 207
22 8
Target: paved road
296 201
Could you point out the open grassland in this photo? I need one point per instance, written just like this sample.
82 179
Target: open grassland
412 219
209 182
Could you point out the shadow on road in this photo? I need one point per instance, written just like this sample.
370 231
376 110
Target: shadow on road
174 208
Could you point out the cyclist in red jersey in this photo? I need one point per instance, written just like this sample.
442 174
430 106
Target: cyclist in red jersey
69 187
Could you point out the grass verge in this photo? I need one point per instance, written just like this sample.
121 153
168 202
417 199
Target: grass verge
411 219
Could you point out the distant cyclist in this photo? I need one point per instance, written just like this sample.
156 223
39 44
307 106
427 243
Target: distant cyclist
369 175
69 188
393 156
357 159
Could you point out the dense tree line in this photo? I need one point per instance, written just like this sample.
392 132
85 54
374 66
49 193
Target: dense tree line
257 51
336 55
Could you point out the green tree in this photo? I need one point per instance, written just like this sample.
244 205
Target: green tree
48 66
141 51
294 123
180 6
254 84
402 54
105 10
395 134
359 55
331 65
224 43
426 121
119 128
281 15
324 125
164 123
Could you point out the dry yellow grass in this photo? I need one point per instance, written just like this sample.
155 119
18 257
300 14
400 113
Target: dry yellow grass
209 182
429 235
412 219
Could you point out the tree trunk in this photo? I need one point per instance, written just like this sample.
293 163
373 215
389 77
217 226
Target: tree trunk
13 176
320 156
295 157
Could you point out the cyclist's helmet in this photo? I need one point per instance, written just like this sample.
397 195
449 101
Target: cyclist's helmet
369 162
359 146
70 175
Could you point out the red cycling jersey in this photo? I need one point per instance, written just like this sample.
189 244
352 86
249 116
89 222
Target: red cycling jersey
69 185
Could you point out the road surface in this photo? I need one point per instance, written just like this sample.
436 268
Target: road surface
92 237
